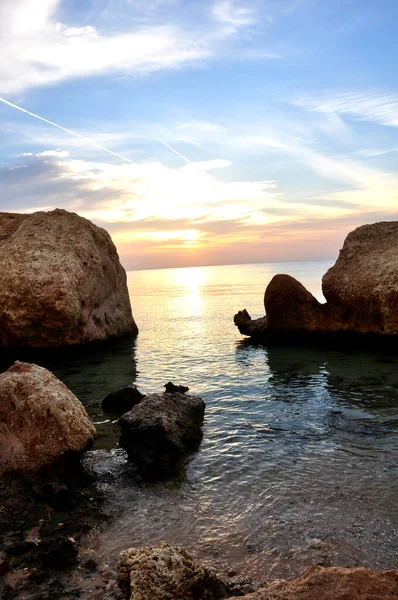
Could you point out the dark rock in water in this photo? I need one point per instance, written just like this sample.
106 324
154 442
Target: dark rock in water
123 400
361 292
289 305
165 572
57 553
174 389
4 567
61 282
160 430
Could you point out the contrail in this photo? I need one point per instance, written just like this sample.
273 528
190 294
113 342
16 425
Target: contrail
173 150
81 137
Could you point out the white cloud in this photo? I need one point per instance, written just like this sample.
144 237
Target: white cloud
38 50
53 154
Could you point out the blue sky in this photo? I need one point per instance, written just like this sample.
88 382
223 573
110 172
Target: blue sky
255 130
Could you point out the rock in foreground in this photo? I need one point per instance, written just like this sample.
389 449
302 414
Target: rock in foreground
61 282
40 419
333 583
161 430
166 573
361 290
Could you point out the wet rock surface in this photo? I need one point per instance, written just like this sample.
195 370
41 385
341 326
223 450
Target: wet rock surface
159 432
61 282
361 290
122 401
333 583
43 518
41 420
166 573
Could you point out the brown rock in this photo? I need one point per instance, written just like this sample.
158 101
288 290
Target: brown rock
166 573
160 430
40 419
61 282
361 289
333 583
290 306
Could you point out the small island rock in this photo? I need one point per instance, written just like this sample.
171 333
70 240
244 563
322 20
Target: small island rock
41 420
164 572
161 430
61 282
361 290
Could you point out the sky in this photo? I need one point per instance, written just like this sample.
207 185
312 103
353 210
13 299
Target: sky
202 132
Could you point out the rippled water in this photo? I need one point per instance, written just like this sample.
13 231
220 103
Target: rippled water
299 457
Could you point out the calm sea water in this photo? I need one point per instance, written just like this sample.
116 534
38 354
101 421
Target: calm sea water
299 457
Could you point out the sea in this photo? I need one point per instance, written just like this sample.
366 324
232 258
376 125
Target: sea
299 459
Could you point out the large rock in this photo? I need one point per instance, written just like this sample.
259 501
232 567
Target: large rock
361 290
161 430
166 573
41 421
333 583
61 282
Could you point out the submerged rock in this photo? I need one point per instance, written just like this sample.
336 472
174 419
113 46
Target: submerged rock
361 290
333 583
161 430
61 282
123 400
166 573
40 419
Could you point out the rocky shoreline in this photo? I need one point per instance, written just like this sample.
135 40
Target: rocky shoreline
50 503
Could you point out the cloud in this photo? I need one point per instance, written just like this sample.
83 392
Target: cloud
233 13
53 153
38 50
377 108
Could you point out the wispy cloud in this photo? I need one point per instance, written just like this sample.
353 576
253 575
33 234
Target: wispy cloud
233 13
377 108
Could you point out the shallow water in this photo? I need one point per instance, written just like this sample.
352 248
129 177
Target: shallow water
298 462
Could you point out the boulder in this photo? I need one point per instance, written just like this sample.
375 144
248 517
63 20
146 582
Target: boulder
122 401
166 573
161 430
61 282
290 306
332 583
41 421
361 290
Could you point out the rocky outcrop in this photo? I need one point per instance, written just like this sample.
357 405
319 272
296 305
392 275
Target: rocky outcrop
41 421
166 573
161 430
333 583
61 282
122 401
361 290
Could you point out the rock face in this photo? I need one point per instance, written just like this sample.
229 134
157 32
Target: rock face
333 583
361 290
161 430
40 419
123 400
166 573
362 287
61 282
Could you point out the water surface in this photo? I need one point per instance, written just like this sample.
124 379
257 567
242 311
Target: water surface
299 457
